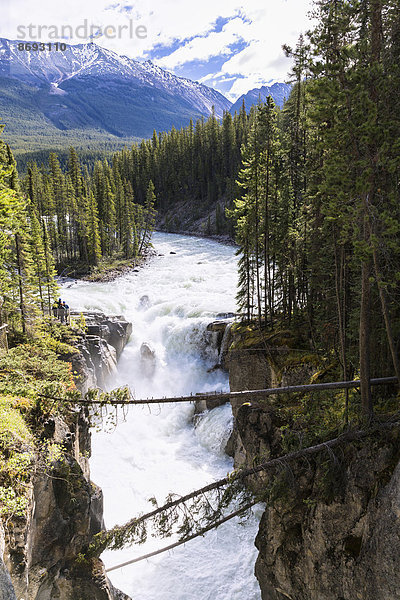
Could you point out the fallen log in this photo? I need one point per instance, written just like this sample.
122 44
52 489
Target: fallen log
246 395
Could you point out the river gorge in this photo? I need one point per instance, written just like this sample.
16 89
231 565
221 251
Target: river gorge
170 302
329 528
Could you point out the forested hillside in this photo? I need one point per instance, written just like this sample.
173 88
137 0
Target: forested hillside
310 190
89 217
54 222
318 221
197 165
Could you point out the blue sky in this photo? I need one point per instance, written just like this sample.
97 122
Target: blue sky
230 45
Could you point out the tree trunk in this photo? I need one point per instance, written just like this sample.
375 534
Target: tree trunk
20 285
386 316
267 274
341 304
364 340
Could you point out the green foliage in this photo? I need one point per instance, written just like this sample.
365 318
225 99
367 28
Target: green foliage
191 167
82 322
27 283
318 217
16 455
34 383
88 220
185 519
52 453
81 560
14 431
107 408
33 368
12 505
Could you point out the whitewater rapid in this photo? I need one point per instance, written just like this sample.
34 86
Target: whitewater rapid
158 451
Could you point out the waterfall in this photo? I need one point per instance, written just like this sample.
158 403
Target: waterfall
170 303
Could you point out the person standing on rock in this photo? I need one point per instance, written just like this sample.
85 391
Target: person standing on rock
60 311
54 308
66 312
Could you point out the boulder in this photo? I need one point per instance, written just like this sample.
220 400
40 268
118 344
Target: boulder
99 348
147 359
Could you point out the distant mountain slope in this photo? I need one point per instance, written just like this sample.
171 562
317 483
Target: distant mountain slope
278 91
90 90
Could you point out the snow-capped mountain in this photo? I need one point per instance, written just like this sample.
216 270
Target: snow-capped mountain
56 67
279 92
92 88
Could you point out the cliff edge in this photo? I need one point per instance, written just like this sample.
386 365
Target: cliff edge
43 544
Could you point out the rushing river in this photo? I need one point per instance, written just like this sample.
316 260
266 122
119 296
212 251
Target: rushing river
159 451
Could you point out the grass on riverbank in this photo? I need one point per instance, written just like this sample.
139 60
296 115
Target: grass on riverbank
108 270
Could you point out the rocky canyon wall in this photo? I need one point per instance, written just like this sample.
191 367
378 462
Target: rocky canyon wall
332 532
43 553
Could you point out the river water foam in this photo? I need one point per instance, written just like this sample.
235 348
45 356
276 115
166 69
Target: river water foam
158 451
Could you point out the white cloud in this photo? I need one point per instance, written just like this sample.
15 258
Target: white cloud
243 85
263 59
207 46
166 20
264 25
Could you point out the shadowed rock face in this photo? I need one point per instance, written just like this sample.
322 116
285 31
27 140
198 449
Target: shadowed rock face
314 545
114 330
66 511
6 587
99 348
346 548
67 508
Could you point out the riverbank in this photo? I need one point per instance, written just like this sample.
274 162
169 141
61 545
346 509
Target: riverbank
222 238
108 269
117 268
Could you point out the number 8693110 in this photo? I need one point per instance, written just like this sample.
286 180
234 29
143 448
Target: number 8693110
42 46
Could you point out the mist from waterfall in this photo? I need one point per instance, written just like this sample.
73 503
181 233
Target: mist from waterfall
170 302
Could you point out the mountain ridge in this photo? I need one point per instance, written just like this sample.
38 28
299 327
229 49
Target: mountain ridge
53 98
54 67
278 91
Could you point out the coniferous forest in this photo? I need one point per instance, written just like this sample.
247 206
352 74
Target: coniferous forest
310 195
